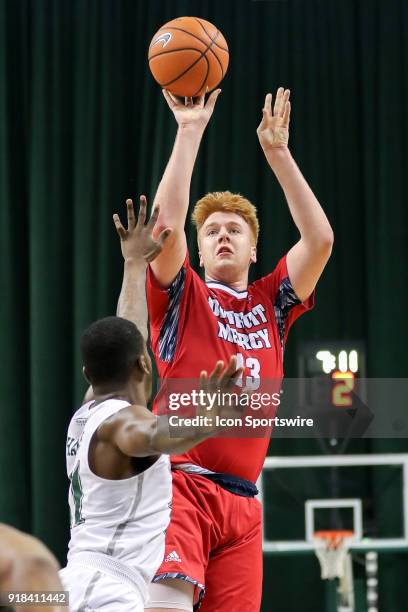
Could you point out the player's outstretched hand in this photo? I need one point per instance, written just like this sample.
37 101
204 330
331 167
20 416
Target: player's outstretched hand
273 131
219 385
189 113
137 242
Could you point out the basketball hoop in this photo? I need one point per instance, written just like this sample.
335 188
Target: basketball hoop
332 550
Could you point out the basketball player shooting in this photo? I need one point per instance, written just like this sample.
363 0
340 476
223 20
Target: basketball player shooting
117 450
214 542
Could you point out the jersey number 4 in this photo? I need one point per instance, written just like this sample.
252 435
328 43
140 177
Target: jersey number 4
76 495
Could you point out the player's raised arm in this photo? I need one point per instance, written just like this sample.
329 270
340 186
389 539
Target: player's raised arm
139 248
174 189
308 257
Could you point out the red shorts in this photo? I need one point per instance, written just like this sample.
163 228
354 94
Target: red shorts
214 541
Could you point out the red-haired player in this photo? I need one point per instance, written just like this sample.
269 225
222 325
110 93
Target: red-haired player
214 542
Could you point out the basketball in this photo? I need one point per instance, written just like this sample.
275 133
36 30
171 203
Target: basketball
188 56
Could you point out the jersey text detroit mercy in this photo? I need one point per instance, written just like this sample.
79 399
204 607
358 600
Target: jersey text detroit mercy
249 341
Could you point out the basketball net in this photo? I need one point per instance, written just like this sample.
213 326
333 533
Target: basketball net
332 550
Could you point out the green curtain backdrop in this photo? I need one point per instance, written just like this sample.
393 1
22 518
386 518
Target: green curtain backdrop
83 126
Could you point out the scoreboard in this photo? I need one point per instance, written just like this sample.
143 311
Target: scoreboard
331 372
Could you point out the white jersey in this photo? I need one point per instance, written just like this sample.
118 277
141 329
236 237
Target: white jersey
115 523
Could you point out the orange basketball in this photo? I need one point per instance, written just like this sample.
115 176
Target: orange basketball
188 55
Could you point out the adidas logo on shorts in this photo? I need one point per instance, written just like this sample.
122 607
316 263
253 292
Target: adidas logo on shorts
173 556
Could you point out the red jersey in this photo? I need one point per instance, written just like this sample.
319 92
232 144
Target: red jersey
193 324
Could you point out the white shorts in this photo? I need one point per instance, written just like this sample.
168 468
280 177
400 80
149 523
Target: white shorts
93 590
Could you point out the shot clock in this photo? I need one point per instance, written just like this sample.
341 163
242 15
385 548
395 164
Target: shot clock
331 373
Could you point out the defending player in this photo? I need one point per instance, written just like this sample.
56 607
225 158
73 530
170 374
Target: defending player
120 493
194 322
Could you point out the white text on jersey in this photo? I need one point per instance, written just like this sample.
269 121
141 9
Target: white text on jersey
256 316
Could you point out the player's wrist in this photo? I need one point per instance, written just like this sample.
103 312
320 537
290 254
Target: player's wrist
277 150
193 128
135 263
277 157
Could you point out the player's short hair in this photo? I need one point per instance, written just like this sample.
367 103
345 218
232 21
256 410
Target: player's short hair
110 348
225 201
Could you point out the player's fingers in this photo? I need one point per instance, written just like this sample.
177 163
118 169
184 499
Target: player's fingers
232 364
216 371
229 371
130 211
286 115
204 380
169 99
155 250
188 101
119 227
177 100
157 246
153 218
212 100
164 235
278 101
267 109
231 380
237 374
286 95
201 100
264 121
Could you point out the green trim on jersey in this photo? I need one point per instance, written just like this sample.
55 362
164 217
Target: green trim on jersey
77 495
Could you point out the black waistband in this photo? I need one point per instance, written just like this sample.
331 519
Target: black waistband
233 484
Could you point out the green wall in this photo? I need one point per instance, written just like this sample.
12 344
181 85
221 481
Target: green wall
83 126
